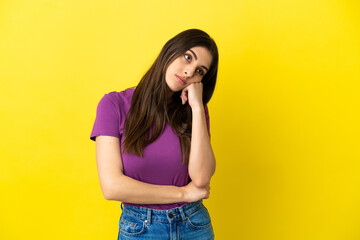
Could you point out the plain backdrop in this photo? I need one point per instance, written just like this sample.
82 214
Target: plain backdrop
284 117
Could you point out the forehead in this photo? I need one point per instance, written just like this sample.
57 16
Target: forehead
204 56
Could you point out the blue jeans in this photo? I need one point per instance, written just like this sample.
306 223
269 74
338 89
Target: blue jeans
191 221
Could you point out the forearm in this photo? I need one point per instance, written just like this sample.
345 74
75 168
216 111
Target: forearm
126 189
202 160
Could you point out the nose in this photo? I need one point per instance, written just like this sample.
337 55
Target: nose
189 71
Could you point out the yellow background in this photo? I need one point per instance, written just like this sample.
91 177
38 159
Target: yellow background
284 115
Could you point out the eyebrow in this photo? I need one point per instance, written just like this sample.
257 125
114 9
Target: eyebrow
196 59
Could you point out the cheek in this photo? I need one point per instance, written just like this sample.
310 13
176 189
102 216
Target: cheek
170 69
177 64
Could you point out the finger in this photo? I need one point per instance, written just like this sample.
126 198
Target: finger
184 96
183 99
182 92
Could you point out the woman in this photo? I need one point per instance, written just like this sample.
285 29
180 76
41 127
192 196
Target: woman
153 148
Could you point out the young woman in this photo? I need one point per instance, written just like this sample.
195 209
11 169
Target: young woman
153 148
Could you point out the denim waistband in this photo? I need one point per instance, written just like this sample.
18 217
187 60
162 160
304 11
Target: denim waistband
166 216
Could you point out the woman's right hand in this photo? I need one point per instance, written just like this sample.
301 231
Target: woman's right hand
193 193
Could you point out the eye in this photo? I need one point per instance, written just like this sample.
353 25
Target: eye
200 71
187 57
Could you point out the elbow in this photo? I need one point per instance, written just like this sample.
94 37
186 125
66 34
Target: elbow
107 196
109 192
201 182
112 188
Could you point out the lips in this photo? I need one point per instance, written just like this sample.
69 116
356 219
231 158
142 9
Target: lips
181 80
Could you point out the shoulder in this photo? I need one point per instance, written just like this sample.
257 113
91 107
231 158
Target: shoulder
122 96
120 99
116 103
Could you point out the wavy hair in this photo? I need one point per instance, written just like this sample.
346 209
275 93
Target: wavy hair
150 107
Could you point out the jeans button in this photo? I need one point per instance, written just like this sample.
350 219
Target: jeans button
171 215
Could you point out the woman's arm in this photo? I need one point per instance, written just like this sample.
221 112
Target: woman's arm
116 186
202 160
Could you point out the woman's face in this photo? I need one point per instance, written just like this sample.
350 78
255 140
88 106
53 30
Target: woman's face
188 68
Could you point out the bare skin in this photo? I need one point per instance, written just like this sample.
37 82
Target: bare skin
202 160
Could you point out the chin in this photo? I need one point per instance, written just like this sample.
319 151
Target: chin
173 87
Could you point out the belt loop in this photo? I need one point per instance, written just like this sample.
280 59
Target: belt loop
181 210
148 219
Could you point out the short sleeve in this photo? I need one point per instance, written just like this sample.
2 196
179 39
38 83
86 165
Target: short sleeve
207 119
107 119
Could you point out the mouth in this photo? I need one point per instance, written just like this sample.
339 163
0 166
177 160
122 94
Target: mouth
181 80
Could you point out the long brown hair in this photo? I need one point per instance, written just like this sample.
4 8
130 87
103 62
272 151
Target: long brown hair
150 108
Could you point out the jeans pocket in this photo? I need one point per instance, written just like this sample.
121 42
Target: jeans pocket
199 219
130 225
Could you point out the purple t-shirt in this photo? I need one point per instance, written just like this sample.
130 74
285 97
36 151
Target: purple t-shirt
161 163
